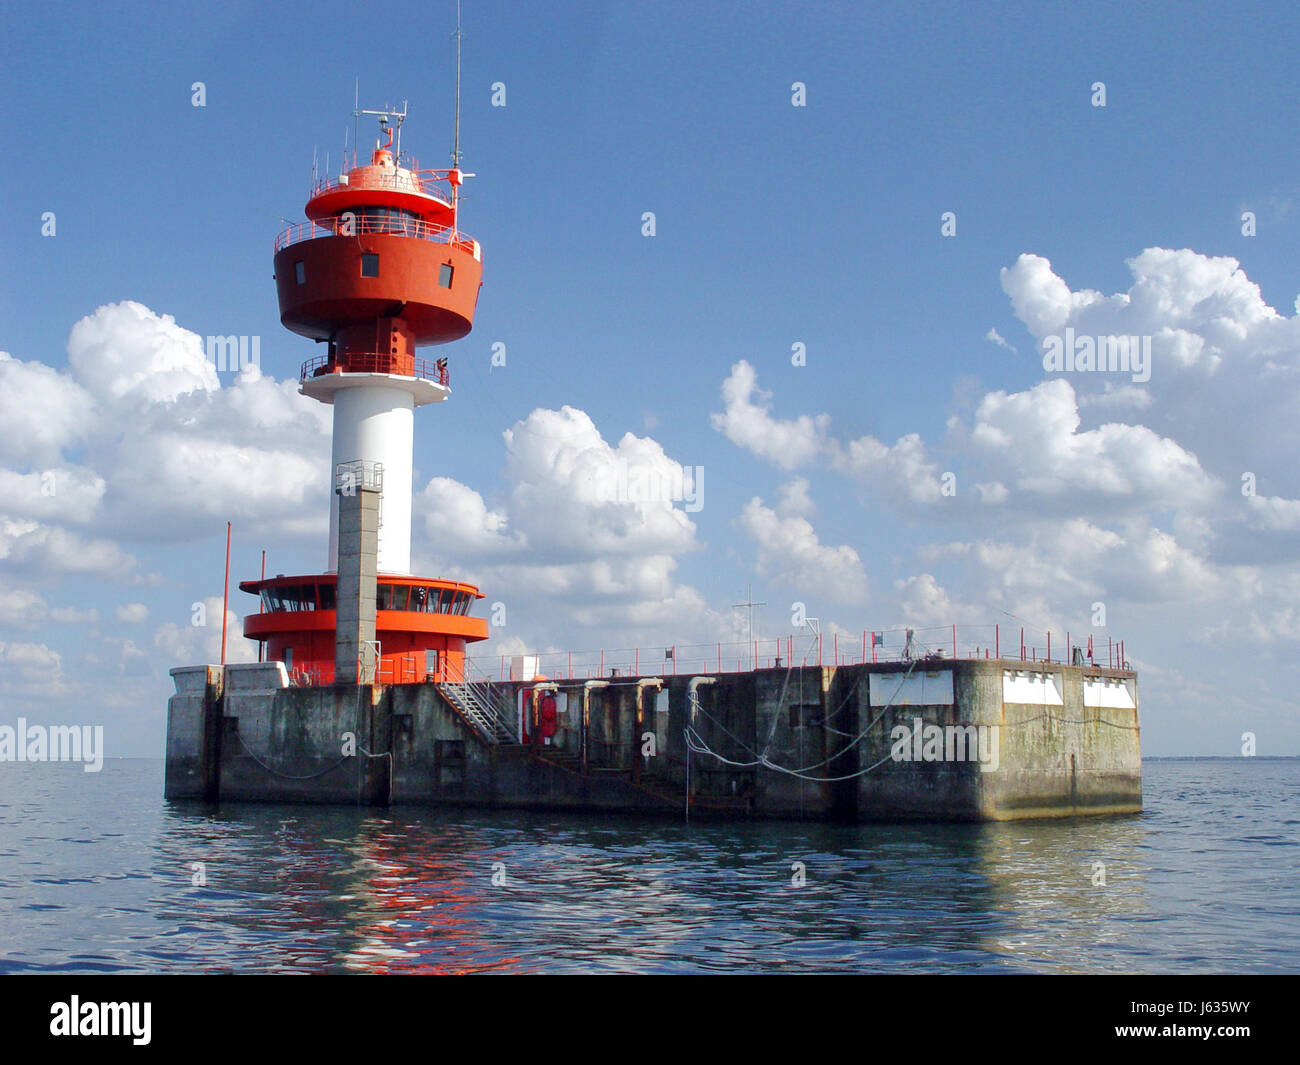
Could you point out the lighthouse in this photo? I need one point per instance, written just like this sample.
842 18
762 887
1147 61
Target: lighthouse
379 269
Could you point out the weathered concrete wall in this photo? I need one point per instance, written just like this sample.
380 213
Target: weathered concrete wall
1064 760
914 789
1051 760
309 744
832 732
193 733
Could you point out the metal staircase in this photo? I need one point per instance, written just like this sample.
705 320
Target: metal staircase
483 706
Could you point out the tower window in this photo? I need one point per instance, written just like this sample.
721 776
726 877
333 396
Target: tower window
369 265
444 275
300 272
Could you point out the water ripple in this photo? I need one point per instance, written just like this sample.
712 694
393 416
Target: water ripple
98 874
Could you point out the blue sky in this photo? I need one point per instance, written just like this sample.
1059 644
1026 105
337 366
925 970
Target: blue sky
775 224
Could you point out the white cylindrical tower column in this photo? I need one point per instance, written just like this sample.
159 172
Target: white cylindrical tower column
375 424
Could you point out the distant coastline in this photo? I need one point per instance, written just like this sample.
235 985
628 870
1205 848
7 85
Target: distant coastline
1219 758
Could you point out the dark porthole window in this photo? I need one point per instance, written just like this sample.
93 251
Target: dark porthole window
300 272
369 265
444 275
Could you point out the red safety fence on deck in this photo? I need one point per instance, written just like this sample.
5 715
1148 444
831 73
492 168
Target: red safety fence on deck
361 225
813 649
375 362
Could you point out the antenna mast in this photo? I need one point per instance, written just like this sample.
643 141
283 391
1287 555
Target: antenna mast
455 151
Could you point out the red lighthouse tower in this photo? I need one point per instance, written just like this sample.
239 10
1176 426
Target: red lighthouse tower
380 268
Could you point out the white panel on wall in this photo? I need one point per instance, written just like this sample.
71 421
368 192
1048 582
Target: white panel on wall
1032 687
661 701
523 667
919 688
1103 691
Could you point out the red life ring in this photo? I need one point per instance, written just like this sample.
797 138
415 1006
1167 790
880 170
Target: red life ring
547 718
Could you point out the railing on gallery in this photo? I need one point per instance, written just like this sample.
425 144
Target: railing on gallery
362 225
1007 643
374 362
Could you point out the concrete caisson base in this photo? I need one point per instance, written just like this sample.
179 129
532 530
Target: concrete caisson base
964 740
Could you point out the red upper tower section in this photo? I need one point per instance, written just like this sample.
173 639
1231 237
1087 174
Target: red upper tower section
381 268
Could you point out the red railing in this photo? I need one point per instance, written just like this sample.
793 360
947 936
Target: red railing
362 224
805 649
398 179
405 668
828 649
308 677
375 362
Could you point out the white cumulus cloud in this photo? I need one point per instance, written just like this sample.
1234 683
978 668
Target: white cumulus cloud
789 551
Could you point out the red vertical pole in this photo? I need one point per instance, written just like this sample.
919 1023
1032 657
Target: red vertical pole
261 644
864 645
225 596
636 663
1049 646
571 665
819 648
873 648
602 661
1068 652
674 660
954 641
1110 661
835 647
1022 643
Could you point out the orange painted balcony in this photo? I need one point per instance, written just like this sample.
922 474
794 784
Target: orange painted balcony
363 225
424 182
428 193
374 362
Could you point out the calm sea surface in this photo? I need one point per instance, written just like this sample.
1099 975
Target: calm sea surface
97 875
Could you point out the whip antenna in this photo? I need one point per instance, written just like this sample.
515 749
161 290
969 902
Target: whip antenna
455 151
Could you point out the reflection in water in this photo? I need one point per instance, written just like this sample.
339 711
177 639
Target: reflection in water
97 876
1073 887
417 900
415 891
337 889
